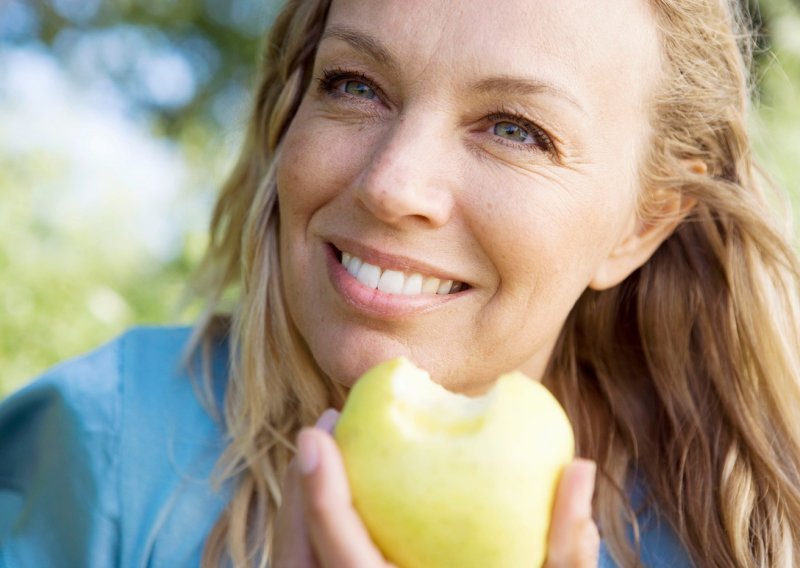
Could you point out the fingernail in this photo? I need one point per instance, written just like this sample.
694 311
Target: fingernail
327 420
307 452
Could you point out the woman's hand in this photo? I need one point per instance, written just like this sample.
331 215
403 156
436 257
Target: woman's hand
574 540
317 526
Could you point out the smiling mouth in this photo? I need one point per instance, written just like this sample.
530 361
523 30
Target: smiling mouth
395 281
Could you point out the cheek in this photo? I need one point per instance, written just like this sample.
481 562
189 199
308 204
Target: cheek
320 158
306 174
554 234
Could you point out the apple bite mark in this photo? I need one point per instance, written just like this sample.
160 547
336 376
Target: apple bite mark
425 408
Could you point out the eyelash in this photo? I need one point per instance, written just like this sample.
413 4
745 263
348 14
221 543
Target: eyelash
332 76
543 142
541 138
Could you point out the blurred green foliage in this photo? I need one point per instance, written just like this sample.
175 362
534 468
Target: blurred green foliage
73 271
776 132
79 264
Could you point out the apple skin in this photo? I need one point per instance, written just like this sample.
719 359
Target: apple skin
456 482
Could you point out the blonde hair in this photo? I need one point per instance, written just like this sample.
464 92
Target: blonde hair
691 364
682 378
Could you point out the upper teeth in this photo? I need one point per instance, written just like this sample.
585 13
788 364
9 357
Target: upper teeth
394 281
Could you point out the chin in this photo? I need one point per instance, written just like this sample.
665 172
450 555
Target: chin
345 365
346 370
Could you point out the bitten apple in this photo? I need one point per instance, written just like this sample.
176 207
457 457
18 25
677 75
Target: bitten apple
441 479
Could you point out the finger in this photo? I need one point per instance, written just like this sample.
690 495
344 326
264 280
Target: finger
573 539
340 538
292 543
327 420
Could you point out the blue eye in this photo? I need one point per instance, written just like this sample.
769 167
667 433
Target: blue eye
511 131
358 89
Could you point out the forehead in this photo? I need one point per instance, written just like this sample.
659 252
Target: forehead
598 49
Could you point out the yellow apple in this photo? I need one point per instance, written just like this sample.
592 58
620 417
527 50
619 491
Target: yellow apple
444 480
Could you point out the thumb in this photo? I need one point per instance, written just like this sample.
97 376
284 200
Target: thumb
339 536
292 543
574 541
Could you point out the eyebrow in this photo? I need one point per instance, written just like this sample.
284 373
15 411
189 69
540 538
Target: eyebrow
501 84
519 87
362 42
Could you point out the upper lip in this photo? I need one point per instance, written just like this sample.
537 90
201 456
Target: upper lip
392 261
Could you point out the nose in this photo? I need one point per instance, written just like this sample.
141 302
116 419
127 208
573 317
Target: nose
409 178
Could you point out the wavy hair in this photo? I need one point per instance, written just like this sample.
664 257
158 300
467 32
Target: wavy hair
683 379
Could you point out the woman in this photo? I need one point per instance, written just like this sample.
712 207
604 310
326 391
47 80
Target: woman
401 135
565 188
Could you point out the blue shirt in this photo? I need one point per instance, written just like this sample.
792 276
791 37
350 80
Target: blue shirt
106 460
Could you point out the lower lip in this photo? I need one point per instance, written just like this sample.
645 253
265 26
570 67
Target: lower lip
375 303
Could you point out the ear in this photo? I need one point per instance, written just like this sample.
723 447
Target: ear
643 237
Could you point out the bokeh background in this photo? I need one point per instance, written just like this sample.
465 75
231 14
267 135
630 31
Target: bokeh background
118 121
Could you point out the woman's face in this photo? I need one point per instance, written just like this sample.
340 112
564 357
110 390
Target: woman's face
478 161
